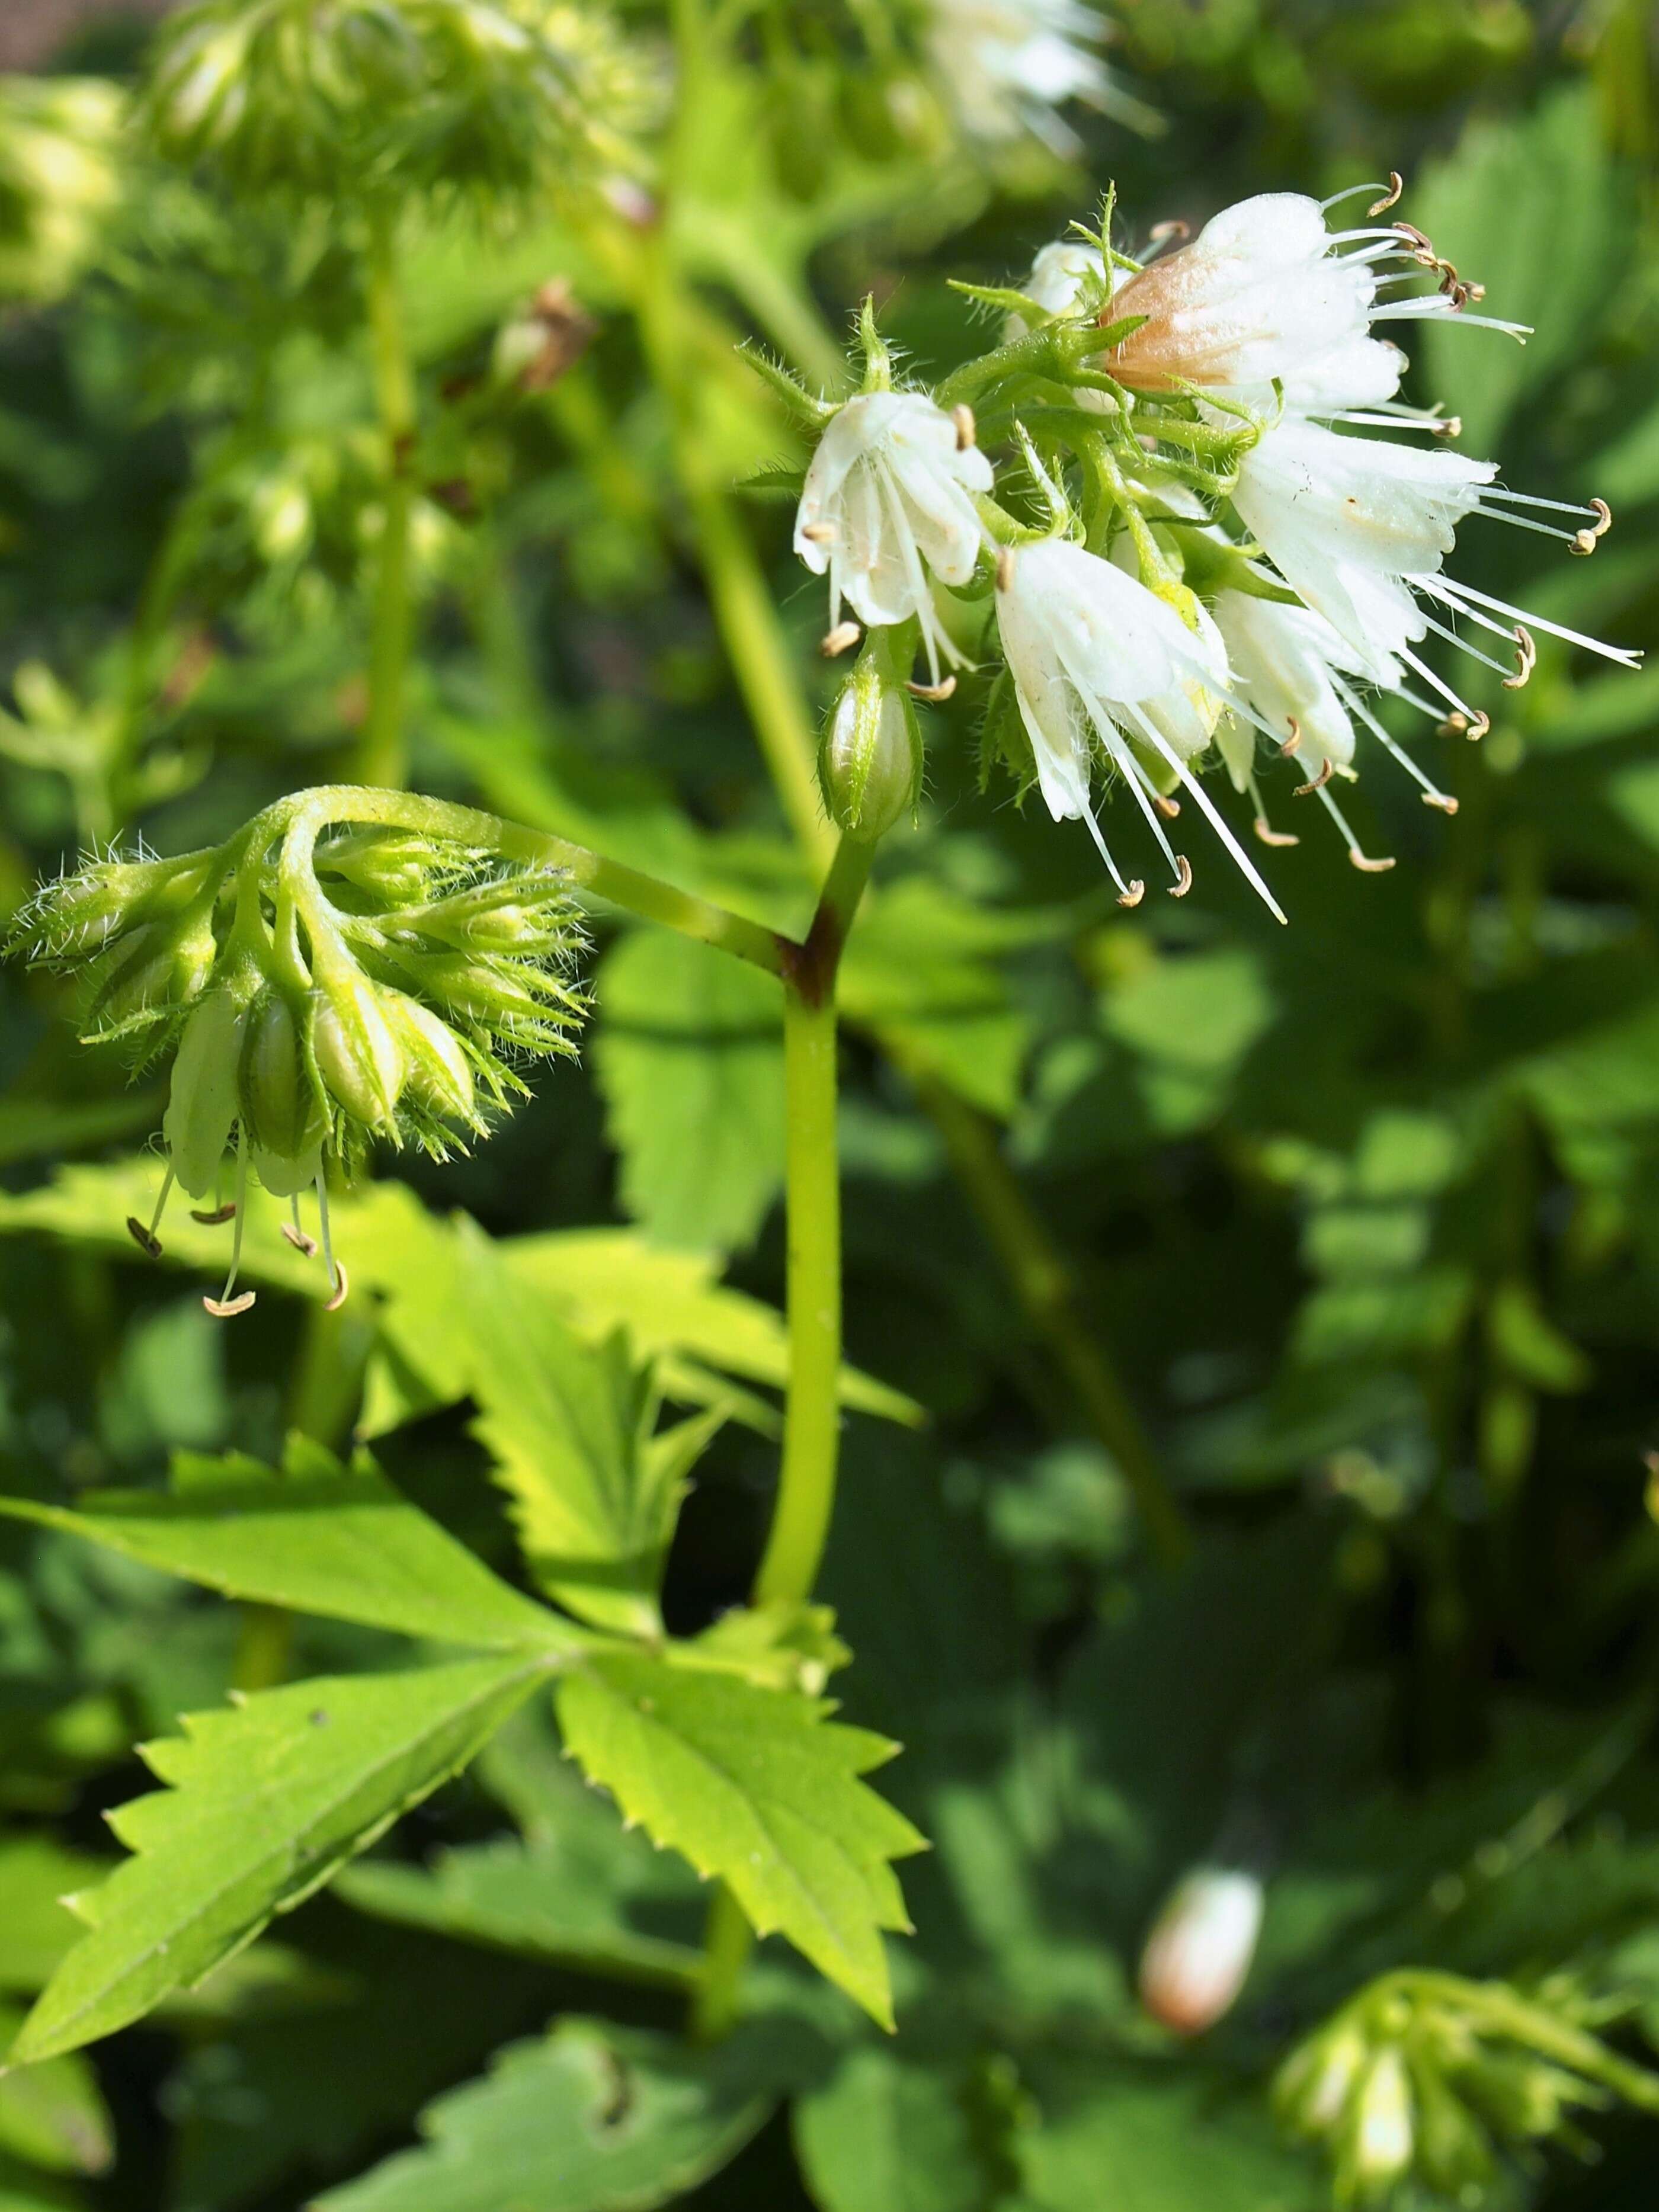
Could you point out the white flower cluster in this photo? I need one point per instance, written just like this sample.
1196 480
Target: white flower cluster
1231 552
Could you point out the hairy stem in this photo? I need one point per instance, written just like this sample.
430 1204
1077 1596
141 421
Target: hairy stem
383 755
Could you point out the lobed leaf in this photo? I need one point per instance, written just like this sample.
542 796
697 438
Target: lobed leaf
757 1787
265 1802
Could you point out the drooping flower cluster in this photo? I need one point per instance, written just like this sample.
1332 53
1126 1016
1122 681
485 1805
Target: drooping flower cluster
1228 550
1427 2077
323 982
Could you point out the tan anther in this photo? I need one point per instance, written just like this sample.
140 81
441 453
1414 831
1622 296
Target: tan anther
149 1245
967 430
1265 830
1604 518
215 1216
1526 659
342 1286
819 533
1290 744
1442 801
1005 567
1368 867
939 690
1319 782
1476 292
1168 808
1453 726
843 635
298 1240
1184 882
1174 227
1391 198
1452 426
1133 896
1478 727
227 1309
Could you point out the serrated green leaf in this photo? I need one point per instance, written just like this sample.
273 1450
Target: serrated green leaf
683 1026
591 2118
594 1494
265 1802
52 2114
760 1788
886 2134
317 1538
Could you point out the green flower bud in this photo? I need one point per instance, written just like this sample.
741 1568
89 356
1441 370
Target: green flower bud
1454 2152
523 914
101 902
497 995
282 1115
356 1054
439 1073
393 867
203 1102
1379 2153
870 762
155 971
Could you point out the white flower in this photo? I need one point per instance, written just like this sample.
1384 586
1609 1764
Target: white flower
1263 293
891 489
1359 528
1009 64
1198 1953
1058 275
1102 667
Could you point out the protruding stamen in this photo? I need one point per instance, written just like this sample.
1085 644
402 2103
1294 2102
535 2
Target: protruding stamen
295 1234
1303 790
1454 725
1134 894
1526 659
1289 745
1174 228
838 639
1184 882
1391 198
338 1284
214 1218
1442 800
1357 855
342 1281
1207 807
226 1307
1451 427
1265 830
1168 807
967 429
1005 567
147 1242
1432 794
942 689
820 533
1479 727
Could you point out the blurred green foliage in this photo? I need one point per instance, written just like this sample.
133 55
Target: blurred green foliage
1349 1231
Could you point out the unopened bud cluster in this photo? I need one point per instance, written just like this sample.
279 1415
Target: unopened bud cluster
1427 2078
367 983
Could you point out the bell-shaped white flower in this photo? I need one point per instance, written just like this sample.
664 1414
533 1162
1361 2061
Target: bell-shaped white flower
1266 294
1360 529
1104 670
889 497
1200 1950
1009 66
1296 680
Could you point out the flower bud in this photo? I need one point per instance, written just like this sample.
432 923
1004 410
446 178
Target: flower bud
156 970
98 903
870 762
1383 2136
1313 2085
390 865
203 1103
357 1055
280 1111
439 1073
1200 1950
496 993
511 914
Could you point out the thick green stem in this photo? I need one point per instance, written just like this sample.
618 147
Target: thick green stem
1043 1282
383 757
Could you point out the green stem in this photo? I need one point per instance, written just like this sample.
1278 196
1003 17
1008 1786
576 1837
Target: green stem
383 757
811 1429
303 819
1043 1283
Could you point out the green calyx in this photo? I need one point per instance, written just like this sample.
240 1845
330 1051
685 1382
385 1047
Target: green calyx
870 760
